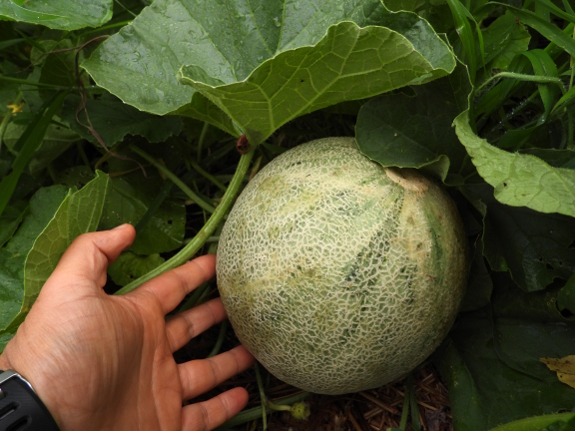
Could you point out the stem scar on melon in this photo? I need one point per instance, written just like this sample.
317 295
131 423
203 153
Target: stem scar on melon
340 275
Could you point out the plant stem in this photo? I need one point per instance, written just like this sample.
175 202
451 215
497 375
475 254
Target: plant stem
106 27
202 291
26 82
415 423
189 193
202 139
196 297
220 340
263 399
404 411
572 65
207 175
255 413
523 77
205 232
83 155
570 130
125 8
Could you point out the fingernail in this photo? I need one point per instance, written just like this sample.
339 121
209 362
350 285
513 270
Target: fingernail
122 226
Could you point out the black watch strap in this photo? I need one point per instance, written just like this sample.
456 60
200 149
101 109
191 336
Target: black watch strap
20 407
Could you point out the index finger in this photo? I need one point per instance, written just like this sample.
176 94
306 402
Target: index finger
169 289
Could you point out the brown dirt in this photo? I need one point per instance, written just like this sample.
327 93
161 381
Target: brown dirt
373 410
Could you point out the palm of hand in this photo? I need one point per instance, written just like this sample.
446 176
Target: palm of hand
104 362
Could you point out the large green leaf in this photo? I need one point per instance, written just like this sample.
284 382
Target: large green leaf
113 120
534 247
406 131
78 213
519 179
349 63
140 63
43 206
265 63
61 14
491 360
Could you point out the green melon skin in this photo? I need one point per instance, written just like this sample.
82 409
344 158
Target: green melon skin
337 274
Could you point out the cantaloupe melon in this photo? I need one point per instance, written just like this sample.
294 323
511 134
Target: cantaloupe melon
337 274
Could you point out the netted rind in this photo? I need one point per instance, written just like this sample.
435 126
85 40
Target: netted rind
337 274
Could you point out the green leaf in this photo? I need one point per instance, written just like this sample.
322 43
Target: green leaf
547 29
556 158
58 67
8 92
566 296
504 38
128 199
491 364
214 36
130 266
76 176
205 111
265 66
61 14
565 100
9 222
465 32
27 144
43 206
57 139
480 286
435 12
533 246
553 422
78 213
113 120
349 63
543 65
546 6
406 131
519 179
408 5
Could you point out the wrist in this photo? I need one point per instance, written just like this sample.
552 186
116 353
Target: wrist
4 363
21 406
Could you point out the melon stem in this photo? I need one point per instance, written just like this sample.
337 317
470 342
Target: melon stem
205 232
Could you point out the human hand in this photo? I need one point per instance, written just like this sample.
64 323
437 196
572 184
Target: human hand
102 362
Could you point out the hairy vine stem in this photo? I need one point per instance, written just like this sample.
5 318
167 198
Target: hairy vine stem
205 232
523 77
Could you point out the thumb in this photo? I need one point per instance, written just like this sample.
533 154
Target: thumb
87 258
